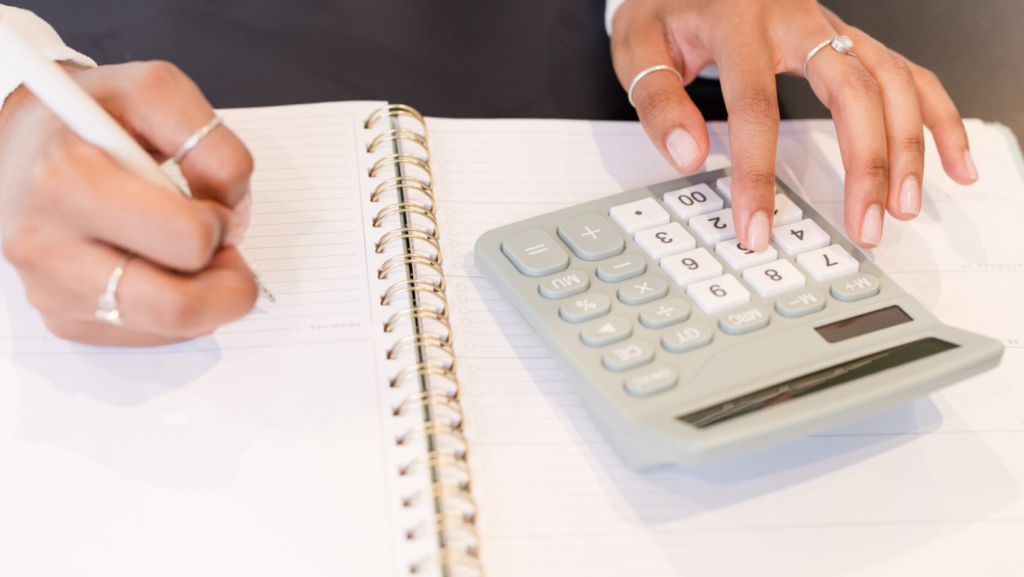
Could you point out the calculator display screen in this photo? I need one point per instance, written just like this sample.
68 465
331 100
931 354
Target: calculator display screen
864 324
817 381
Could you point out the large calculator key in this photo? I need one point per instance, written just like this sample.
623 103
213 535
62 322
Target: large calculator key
828 263
774 278
786 211
565 284
643 290
606 331
856 287
535 253
800 236
652 381
638 215
665 240
628 355
591 237
585 307
693 201
687 337
622 268
714 227
718 294
740 257
661 314
800 303
725 186
745 320
693 266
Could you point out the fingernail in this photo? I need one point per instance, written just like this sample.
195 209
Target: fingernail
910 196
757 231
972 170
682 147
871 226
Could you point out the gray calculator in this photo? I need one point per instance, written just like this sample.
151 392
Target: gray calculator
687 347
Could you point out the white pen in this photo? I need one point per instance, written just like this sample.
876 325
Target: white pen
85 117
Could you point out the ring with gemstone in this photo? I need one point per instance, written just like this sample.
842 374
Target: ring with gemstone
842 44
107 302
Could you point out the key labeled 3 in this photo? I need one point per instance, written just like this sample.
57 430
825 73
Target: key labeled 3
665 240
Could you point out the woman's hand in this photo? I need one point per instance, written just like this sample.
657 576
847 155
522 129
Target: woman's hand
68 213
879 101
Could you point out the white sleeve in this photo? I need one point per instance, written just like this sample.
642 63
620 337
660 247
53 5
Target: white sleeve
45 38
609 13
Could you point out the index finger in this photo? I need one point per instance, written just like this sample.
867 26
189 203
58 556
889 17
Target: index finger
748 84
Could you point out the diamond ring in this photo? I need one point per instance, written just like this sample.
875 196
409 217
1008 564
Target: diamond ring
841 44
107 303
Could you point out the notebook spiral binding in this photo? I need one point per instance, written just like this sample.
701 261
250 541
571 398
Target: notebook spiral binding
453 523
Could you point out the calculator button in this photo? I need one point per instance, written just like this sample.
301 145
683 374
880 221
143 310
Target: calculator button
693 266
628 355
643 290
652 381
566 284
774 278
801 303
740 257
800 237
718 294
639 215
664 313
692 201
622 268
828 263
606 331
687 337
786 211
714 227
665 240
855 287
535 253
745 320
591 237
725 186
585 307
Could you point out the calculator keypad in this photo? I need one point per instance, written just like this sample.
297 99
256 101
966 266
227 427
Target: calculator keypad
665 240
638 215
591 237
689 267
828 263
714 227
535 253
680 239
693 201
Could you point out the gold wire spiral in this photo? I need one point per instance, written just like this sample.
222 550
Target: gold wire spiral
395 110
403 182
396 134
455 510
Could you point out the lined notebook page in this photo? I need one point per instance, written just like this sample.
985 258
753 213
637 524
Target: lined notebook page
257 450
929 488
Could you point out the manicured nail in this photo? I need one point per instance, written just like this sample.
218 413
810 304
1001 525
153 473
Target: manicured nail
682 147
871 226
972 170
910 196
757 231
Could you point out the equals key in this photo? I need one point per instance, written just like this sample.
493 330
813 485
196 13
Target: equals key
535 253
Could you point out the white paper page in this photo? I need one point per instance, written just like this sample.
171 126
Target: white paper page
929 488
259 450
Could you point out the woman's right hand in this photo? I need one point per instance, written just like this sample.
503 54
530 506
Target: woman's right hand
68 213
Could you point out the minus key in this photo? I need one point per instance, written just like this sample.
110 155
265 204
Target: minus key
622 267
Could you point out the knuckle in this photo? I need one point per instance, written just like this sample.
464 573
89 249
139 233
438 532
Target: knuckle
858 85
657 102
157 75
913 144
926 76
25 248
178 313
874 167
196 240
759 180
895 65
757 108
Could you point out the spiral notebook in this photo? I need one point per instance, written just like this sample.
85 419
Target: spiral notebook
390 415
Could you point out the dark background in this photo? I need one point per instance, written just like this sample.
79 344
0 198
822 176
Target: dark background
499 58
